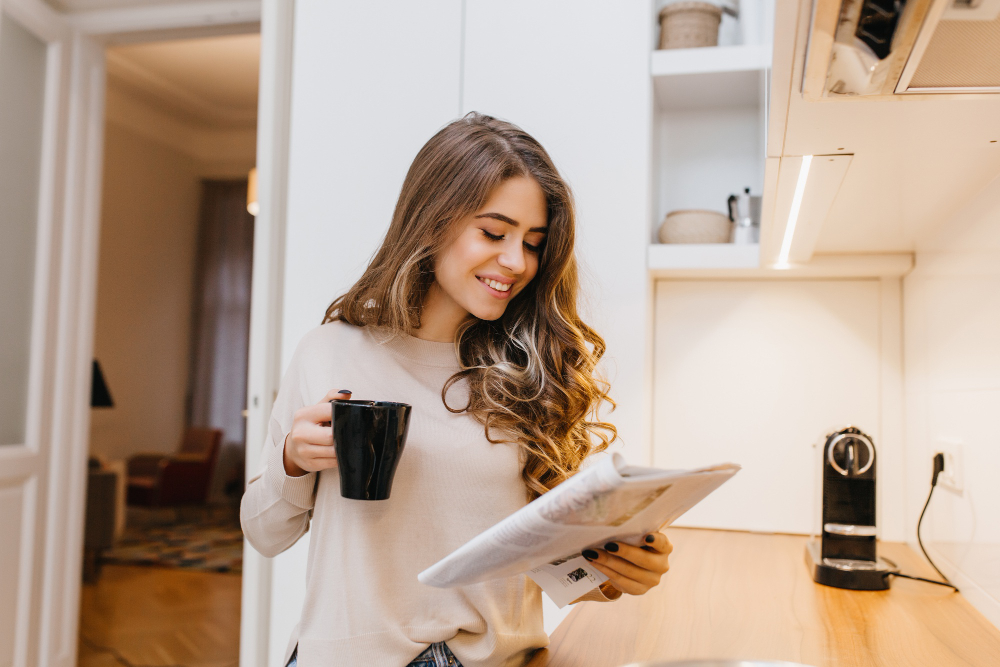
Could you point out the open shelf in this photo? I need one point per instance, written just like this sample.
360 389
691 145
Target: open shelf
674 256
719 76
709 60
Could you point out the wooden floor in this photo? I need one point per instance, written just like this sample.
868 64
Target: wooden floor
159 616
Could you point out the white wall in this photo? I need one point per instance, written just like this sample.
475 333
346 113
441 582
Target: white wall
758 372
153 165
575 75
952 362
371 84
149 224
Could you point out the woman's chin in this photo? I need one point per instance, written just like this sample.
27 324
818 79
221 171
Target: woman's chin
489 313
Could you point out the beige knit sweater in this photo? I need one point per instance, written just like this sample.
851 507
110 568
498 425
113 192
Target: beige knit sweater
364 605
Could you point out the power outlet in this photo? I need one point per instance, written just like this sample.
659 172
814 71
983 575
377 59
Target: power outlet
953 475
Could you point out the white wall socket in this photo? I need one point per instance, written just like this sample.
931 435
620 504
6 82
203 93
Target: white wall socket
953 475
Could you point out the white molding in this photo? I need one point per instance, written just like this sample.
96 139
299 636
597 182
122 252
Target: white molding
203 143
266 305
787 22
672 256
891 501
90 5
130 73
73 302
710 60
73 347
162 17
820 267
39 18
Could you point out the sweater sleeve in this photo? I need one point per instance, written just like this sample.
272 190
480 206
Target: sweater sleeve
603 593
276 507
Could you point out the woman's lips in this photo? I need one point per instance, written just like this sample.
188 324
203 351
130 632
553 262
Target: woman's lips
502 293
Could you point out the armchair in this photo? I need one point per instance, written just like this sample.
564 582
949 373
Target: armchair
155 480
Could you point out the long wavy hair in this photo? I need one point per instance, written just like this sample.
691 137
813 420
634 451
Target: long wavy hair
530 373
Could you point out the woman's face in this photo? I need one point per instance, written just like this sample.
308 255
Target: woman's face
496 250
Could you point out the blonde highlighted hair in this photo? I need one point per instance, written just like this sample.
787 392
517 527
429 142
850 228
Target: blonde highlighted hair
530 373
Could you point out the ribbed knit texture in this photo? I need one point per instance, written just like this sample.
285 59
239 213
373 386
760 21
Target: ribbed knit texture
364 605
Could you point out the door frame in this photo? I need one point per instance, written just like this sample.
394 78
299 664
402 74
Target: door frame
74 161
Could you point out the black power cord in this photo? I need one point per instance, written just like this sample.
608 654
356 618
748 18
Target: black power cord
938 467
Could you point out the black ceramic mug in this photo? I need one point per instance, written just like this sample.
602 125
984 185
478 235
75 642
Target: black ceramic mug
369 437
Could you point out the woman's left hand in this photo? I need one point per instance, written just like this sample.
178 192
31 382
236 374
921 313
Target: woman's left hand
633 570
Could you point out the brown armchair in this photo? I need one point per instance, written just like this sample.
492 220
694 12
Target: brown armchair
155 480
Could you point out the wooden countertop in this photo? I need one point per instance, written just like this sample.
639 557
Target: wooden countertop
735 595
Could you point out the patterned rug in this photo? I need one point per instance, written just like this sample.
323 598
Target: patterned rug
211 546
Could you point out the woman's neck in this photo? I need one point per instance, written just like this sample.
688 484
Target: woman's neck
440 317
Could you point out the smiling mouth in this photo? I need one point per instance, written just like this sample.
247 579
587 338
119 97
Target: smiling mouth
495 284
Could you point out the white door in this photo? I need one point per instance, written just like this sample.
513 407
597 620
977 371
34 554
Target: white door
42 388
23 68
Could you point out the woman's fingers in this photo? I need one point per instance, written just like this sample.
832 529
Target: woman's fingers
633 570
659 543
639 557
621 582
318 458
625 568
321 413
336 393
315 434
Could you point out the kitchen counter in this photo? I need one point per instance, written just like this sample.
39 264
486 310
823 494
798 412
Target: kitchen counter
749 595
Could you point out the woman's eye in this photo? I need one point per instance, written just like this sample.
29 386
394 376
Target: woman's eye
532 248
492 237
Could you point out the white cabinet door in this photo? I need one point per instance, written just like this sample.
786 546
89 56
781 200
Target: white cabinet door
575 75
757 372
371 84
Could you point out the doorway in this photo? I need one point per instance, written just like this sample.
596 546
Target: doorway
163 548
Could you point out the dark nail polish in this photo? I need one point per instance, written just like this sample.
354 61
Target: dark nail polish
343 391
611 546
650 539
590 554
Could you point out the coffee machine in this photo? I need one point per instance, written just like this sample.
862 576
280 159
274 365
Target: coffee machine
845 555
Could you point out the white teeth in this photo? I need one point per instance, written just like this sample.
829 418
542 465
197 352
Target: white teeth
498 286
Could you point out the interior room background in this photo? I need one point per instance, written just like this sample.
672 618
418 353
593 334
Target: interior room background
754 371
174 273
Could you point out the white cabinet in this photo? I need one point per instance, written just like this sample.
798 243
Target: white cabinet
573 74
709 125
370 87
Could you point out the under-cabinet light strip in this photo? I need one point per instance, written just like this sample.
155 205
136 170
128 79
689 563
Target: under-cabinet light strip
793 214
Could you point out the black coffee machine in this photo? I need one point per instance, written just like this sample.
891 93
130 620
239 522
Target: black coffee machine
845 556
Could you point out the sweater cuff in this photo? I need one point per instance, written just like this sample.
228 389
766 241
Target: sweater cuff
603 593
299 491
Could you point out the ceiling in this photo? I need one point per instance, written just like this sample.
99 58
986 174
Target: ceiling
917 158
209 81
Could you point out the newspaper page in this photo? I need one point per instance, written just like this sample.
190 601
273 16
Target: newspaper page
610 501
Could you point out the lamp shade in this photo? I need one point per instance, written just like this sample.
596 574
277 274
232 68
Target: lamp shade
100 397
252 206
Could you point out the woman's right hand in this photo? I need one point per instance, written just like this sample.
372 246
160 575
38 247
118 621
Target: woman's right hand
309 445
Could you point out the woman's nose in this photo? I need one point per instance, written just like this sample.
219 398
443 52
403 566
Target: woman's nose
512 259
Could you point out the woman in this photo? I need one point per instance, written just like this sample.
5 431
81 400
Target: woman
468 313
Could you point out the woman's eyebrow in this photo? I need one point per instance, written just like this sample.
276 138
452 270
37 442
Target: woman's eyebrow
510 221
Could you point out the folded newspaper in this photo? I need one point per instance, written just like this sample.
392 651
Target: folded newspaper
609 501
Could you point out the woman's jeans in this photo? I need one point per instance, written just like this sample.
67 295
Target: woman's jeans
436 655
